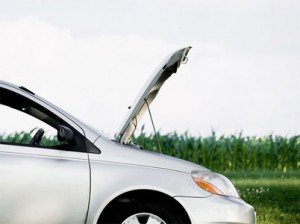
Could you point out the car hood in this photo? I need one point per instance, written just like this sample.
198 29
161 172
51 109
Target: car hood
168 67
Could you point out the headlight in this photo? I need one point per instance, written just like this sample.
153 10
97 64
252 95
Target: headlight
214 183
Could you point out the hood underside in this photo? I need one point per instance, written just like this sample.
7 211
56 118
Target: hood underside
168 67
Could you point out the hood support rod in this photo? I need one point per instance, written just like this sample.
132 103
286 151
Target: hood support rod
156 136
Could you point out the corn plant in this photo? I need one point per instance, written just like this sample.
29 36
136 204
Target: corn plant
232 153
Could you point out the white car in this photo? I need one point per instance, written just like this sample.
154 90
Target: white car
84 177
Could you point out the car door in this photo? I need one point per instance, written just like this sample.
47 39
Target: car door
40 183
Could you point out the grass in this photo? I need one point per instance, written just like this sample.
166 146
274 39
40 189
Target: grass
274 195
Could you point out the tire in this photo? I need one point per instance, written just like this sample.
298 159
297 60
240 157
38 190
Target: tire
145 213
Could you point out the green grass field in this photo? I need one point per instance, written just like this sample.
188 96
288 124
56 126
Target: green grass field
274 195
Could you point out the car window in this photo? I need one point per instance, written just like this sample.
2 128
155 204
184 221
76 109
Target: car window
18 127
22 120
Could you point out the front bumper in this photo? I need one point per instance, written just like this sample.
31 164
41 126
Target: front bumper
218 209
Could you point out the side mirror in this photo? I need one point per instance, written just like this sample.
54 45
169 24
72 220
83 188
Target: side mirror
65 134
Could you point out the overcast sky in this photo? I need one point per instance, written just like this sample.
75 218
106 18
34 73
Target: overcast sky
92 57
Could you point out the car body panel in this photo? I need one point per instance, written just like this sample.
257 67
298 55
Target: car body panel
128 154
43 185
117 179
218 209
119 166
148 93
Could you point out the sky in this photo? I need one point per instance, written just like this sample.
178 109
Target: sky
91 58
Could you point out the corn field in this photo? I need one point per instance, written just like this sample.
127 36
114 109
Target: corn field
233 153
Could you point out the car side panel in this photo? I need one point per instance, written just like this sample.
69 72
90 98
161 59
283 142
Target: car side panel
109 180
39 185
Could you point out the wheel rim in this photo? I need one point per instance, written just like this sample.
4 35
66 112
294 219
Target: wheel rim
144 218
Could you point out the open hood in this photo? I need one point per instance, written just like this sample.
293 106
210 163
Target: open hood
149 92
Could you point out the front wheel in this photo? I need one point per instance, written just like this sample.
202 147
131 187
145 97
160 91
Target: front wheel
146 213
144 218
